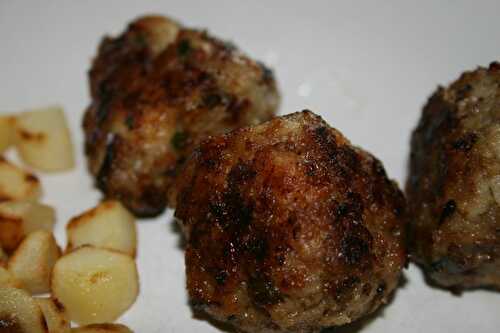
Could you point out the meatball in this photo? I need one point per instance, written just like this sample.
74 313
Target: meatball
453 188
157 91
289 228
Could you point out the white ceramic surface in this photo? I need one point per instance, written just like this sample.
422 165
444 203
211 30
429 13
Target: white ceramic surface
366 67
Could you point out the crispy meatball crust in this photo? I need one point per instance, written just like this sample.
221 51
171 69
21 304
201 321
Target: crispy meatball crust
157 90
453 188
289 227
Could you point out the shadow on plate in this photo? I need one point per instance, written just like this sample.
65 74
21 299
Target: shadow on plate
173 226
455 291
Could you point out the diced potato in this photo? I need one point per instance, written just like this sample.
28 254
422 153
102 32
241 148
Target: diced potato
6 132
55 315
19 218
19 312
109 225
102 328
33 260
95 285
17 184
43 139
7 279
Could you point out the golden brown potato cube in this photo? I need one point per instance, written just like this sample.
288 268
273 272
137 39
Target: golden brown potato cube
55 315
20 313
43 139
33 260
7 279
108 225
17 184
102 328
6 132
95 285
19 218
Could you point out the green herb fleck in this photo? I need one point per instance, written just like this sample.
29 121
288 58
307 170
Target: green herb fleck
212 100
184 48
141 40
179 140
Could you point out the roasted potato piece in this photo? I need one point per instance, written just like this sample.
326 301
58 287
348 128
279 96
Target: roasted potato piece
6 132
7 279
33 260
19 218
102 328
20 313
55 315
17 184
43 139
108 225
95 285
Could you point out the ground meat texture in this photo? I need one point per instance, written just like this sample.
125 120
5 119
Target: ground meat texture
289 228
157 90
453 188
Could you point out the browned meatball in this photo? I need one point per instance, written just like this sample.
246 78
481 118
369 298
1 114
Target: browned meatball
158 90
454 183
289 227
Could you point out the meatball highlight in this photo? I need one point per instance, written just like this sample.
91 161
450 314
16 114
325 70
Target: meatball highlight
453 188
289 228
158 90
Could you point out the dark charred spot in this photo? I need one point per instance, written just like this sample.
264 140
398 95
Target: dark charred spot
130 120
241 172
104 98
465 143
346 286
448 210
367 289
184 48
221 277
354 249
464 91
212 100
378 168
153 201
352 208
343 159
264 292
231 211
495 66
311 168
231 318
179 140
180 83
258 248
236 106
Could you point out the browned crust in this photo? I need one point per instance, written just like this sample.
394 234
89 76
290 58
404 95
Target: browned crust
455 229
151 107
288 217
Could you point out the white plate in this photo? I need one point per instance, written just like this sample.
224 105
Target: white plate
367 68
